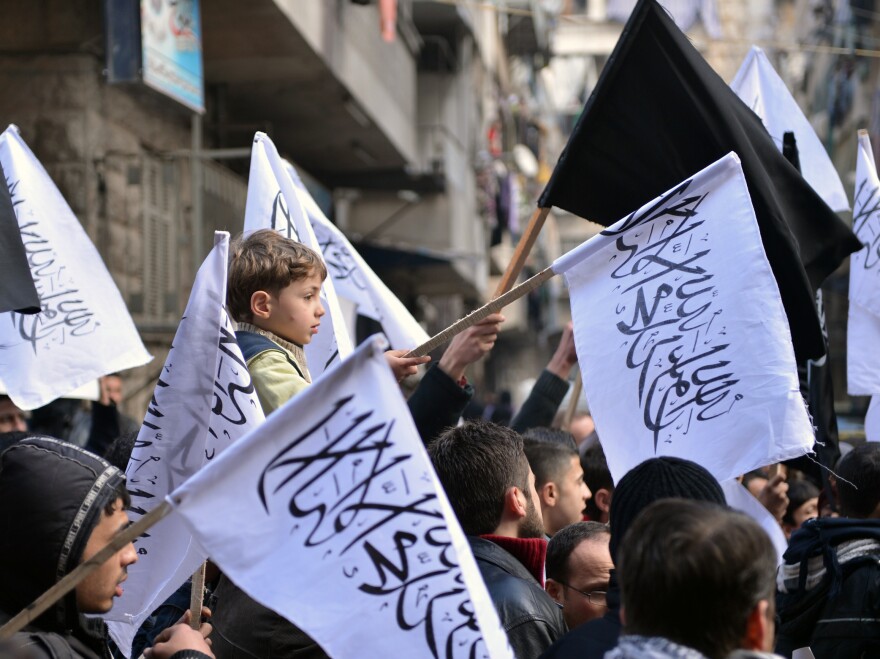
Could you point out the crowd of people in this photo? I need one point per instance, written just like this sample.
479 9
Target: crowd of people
576 565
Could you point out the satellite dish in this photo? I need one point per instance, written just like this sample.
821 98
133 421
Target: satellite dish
525 160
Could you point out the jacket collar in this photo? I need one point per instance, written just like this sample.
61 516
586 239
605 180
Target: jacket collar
295 350
489 552
531 552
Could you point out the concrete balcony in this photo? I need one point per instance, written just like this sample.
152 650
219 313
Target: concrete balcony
318 77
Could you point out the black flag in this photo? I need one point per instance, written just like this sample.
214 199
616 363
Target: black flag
17 290
658 115
816 384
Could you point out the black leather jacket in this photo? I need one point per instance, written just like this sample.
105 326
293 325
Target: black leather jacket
530 617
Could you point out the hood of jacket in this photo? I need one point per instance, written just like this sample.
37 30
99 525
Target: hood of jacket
53 495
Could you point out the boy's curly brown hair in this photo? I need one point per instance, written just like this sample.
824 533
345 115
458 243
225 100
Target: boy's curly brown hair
266 261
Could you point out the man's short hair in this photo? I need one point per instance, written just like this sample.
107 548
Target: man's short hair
565 541
692 572
550 436
477 463
266 261
858 485
549 460
597 476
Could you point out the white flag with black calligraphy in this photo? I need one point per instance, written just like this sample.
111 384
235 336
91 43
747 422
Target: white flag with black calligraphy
739 498
872 421
203 402
863 324
355 281
272 203
681 335
84 330
760 87
333 517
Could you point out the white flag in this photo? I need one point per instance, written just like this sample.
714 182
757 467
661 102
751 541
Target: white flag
872 421
739 498
355 281
272 203
863 324
681 336
84 330
760 87
334 518
203 402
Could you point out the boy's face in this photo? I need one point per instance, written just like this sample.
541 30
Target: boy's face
294 314
95 593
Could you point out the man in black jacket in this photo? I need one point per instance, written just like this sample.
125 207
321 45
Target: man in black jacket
487 478
828 589
62 506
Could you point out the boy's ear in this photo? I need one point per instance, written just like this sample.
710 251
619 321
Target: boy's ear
261 304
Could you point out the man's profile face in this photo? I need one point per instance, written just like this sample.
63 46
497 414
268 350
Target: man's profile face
589 570
573 495
95 593
11 417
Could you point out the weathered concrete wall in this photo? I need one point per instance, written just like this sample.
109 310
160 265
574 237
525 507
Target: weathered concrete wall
92 138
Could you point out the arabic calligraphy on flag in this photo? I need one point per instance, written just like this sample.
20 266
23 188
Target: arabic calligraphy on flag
203 402
681 333
332 509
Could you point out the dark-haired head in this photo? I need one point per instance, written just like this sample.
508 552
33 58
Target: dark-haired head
477 464
858 485
700 575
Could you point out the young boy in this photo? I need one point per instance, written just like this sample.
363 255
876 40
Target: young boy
274 296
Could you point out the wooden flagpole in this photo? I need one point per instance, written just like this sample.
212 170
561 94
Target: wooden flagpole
573 401
84 569
477 315
197 597
523 248
526 242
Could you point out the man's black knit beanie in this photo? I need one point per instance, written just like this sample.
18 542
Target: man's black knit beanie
658 478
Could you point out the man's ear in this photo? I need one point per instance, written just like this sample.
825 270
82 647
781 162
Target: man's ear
554 590
759 629
602 499
261 304
515 502
549 494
